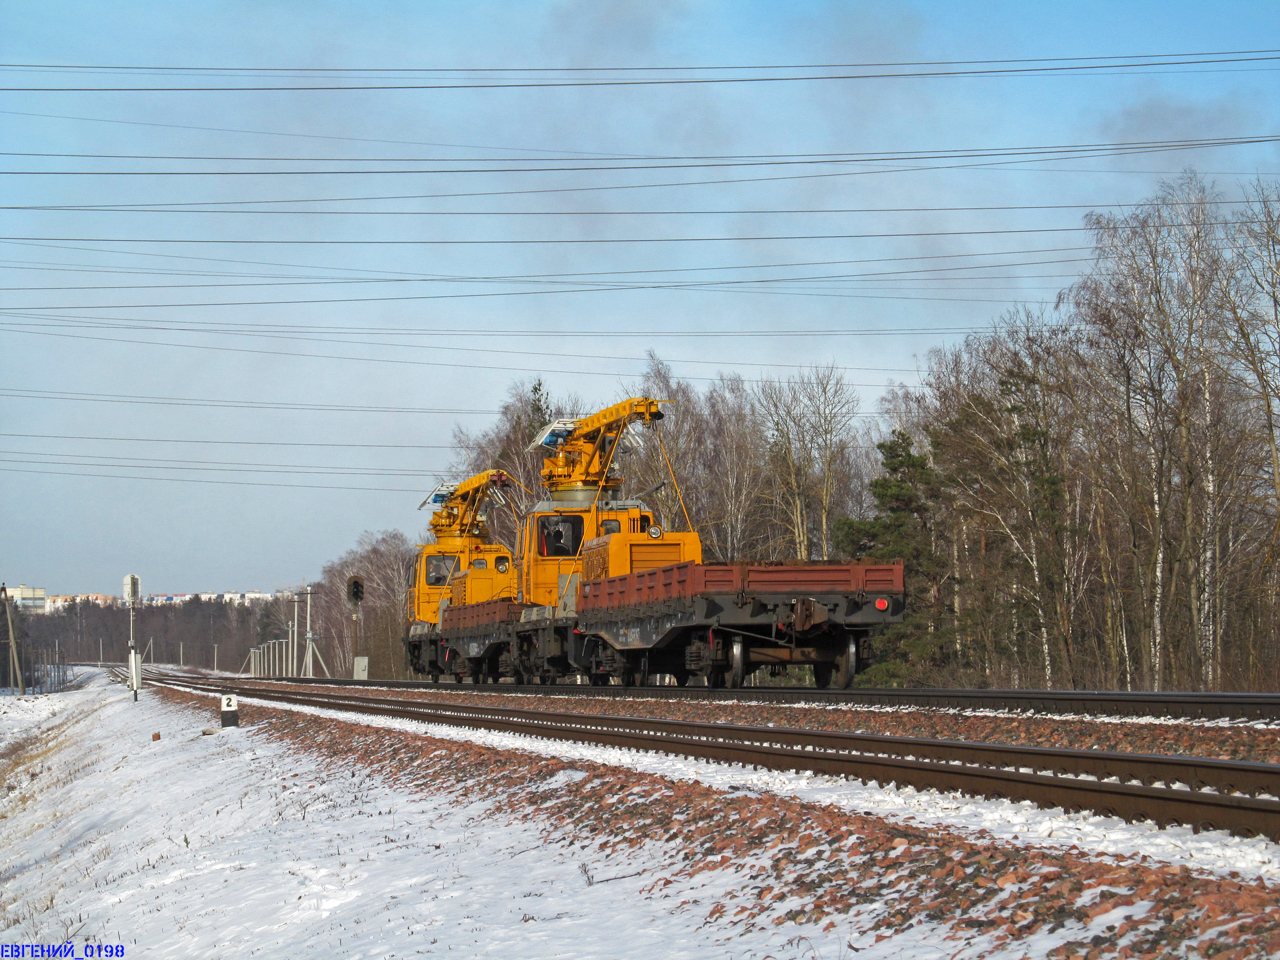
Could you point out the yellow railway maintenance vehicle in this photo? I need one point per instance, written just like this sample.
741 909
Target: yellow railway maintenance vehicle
603 591
462 566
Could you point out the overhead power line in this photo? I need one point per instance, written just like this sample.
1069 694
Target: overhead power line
362 339
211 466
190 68
1008 154
393 361
232 404
740 284
856 72
228 483
589 241
534 276
682 160
235 443
219 207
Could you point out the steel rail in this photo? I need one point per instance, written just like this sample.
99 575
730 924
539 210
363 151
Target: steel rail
1215 794
1088 703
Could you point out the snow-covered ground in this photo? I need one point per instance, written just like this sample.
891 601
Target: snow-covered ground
222 845
244 843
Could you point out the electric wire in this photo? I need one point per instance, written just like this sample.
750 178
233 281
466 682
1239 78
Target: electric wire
237 443
695 160
214 466
607 241
190 68
364 341
230 483
195 206
1107 68
28 393
615 272
393 361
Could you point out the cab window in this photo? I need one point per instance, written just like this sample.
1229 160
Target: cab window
439 569
610 526
479 563
559 536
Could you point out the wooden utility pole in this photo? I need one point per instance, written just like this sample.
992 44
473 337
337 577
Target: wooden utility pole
14 666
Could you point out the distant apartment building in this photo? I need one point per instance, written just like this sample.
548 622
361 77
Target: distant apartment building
59 603
34 600
162 599
28 599
167 599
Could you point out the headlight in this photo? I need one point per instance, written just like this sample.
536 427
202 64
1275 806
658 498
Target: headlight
655 532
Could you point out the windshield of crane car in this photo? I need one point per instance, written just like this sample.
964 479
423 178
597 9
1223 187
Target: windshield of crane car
439 569
559 536
610 526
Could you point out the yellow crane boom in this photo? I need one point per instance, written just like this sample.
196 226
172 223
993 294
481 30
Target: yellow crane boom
459 507
581 451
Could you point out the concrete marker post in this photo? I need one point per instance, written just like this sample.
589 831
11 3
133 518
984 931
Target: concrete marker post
230 710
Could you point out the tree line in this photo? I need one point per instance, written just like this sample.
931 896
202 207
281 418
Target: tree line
1088 496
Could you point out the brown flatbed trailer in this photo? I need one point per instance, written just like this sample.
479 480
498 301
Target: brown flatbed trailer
731 619
721 622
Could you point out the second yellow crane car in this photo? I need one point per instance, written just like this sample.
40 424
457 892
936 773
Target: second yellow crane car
462 566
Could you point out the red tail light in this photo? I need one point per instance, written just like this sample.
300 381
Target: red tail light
882 604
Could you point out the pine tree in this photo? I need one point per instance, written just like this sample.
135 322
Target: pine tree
906 527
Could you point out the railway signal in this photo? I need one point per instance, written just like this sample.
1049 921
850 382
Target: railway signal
132 593
355 593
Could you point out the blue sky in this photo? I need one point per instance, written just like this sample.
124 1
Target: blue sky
186 302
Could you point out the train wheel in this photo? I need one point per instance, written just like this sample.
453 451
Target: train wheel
681 678
822 675
737 675
716 677
846 666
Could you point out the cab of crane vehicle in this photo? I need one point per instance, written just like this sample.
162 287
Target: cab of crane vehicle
462 548
460 573
562 539
488 574
435 567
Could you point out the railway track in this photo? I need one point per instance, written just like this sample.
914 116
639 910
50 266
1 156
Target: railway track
1201 793
1187 706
